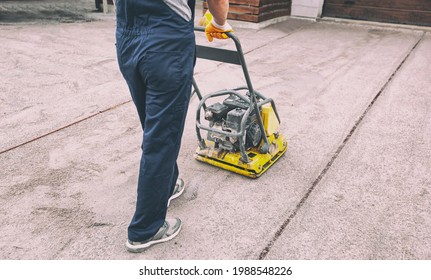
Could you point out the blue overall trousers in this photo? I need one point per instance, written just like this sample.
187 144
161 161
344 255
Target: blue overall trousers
156 56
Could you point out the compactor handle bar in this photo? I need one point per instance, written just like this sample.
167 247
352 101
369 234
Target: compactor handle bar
232 57
227 56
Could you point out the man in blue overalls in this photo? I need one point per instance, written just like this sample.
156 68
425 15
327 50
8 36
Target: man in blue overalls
156 55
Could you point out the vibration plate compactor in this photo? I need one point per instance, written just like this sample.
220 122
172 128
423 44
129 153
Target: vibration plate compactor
241 126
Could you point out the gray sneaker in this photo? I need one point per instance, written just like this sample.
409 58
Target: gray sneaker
167 231
178 190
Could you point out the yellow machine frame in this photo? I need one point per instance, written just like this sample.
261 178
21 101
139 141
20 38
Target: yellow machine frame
259 163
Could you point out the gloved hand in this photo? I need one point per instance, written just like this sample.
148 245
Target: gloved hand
214 30
205 19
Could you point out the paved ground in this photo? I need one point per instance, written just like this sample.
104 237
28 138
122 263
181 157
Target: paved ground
45 11
355 102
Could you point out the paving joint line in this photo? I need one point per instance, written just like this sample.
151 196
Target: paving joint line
280 38
115 106
325 170
64 127
217 65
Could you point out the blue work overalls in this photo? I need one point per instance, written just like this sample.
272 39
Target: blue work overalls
156 55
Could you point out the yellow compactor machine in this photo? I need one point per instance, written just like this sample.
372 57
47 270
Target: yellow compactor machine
242 127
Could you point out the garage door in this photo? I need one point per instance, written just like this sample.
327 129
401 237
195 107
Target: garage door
416 12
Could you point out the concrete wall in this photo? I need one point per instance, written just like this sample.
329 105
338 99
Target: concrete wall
307 8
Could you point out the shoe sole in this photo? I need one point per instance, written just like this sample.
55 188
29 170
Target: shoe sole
142 247
176 195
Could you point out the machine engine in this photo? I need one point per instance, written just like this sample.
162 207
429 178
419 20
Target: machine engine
227 116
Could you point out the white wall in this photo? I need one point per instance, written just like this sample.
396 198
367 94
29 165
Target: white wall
307 8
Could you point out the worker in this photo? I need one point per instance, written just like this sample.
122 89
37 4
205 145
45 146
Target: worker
156 55
98 7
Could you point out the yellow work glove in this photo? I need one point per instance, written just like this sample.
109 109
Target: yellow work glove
212 29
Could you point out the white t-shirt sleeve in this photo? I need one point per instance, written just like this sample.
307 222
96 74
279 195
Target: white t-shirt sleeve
181 8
